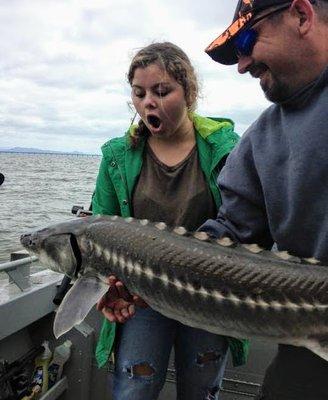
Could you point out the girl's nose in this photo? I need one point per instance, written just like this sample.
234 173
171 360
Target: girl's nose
150 101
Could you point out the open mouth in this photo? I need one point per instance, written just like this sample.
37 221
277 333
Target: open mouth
154 121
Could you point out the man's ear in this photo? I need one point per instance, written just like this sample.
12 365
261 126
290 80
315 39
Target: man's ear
303 12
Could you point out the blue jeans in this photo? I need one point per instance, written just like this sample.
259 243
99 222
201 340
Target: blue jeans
142 353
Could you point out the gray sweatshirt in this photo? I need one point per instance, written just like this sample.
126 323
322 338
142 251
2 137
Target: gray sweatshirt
274 185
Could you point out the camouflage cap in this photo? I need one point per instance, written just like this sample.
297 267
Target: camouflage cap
222 49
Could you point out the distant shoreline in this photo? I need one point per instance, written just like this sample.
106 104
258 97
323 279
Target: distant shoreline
52 153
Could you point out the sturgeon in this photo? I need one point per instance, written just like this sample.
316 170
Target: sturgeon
225 288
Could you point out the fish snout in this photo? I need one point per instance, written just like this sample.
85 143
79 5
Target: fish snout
28 241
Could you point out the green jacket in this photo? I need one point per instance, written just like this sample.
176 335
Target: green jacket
118 173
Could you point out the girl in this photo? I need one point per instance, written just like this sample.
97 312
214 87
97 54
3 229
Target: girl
164 169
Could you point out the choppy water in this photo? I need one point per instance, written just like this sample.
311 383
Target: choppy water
40 189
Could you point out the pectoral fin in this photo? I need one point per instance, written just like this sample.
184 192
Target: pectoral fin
77 303
319 346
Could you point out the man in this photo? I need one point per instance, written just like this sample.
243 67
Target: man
275 183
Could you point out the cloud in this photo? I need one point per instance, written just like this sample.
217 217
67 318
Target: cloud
63 67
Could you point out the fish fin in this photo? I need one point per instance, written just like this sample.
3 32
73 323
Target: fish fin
319 347
77 303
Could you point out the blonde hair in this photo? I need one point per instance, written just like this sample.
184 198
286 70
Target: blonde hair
176 63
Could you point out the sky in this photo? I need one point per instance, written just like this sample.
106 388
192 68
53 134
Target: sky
63 66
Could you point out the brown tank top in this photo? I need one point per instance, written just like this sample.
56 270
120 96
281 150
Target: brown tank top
178 195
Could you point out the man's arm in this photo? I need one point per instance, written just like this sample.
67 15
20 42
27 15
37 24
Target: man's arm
242 215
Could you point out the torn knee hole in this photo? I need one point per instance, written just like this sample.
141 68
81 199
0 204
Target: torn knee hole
142 369
205 358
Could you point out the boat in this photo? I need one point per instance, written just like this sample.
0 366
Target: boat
27 308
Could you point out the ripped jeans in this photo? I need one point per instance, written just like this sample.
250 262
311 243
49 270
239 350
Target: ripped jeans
142 353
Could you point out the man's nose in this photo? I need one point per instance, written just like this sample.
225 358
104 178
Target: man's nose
244 62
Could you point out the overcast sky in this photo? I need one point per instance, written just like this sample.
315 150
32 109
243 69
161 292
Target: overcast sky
63 67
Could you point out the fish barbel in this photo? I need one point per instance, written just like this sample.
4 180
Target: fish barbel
216 285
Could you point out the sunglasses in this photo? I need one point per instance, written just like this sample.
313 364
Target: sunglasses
246 39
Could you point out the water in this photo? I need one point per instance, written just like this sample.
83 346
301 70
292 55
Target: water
40 189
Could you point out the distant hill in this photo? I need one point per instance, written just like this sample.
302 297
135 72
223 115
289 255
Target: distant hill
32 150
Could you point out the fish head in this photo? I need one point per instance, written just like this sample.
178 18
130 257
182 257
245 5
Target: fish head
57 246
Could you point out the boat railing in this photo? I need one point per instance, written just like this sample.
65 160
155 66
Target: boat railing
29 284
18 269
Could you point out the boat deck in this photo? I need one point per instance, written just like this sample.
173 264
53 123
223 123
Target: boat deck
27 315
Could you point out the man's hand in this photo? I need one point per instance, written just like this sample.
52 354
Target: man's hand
118 305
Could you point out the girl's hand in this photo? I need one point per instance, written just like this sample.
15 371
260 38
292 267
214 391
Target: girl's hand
118 305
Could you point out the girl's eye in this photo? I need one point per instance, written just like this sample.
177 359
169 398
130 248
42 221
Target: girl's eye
162 92
138 93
